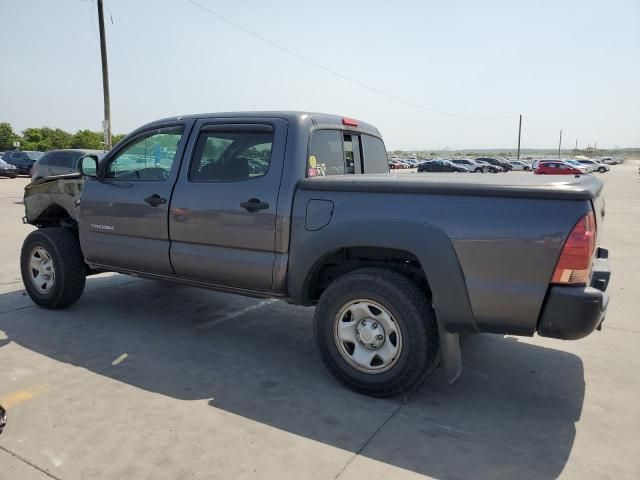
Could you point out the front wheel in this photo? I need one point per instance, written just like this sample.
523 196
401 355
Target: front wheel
376 332
52 267
602 170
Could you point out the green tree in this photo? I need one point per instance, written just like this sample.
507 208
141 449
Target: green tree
87 139
7 136
31 137
45 138
116 138
58 138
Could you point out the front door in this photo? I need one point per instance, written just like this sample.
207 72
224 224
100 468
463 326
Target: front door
124 213
223 211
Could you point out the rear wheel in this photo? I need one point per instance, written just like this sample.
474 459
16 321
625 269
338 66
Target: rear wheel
52 267
478 170
376 332
602 169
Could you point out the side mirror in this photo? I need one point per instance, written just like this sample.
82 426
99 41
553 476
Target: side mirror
89 166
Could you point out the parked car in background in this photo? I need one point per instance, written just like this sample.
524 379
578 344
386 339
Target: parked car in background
8 170
23 160
506 166
519 165
490 168
413 162
537 161
556 167
578 165
595 166
441 166
611 160
59 162
395 165
470 165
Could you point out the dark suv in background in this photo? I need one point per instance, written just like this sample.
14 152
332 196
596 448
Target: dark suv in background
441 166
59 162
506 166
22 160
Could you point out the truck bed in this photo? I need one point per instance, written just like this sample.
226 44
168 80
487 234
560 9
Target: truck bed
565 187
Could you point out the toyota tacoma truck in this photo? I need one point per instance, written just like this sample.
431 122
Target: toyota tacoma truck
301 207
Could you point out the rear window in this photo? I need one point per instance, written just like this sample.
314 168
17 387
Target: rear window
65 159
375 155
326 154
47 158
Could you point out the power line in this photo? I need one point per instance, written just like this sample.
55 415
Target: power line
335 73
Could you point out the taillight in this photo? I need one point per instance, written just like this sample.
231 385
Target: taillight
574 264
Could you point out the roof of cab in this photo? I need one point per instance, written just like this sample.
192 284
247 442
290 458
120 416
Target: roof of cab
293 116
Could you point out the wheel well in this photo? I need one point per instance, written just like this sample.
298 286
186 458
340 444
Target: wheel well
348 259
54 215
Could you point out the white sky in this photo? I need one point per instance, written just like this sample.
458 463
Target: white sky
567 64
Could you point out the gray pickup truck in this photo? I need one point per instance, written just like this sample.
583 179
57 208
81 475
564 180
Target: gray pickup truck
301 207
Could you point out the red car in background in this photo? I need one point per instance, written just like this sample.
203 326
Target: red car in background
557 168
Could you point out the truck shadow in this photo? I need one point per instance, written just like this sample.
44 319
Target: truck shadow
512 414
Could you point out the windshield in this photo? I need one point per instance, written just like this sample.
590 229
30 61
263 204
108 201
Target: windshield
34 155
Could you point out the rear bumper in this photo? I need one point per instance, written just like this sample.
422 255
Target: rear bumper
571 313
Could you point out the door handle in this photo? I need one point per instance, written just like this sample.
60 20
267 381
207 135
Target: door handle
155 200
254 204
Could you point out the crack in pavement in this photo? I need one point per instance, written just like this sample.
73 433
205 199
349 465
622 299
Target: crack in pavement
368 440
30 463
628 330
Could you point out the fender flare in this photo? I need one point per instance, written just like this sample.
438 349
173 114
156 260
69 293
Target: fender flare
429 244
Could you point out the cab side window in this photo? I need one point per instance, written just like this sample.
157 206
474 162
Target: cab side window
235 155
148 158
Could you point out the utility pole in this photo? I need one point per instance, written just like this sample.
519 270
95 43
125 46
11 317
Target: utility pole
560 144
106 124
519 135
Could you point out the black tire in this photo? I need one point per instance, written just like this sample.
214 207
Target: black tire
68 265
479 170
410 309
602 170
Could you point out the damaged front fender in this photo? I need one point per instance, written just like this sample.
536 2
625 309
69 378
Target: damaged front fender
48 200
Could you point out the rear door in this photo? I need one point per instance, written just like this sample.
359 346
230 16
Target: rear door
124 213
223 212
